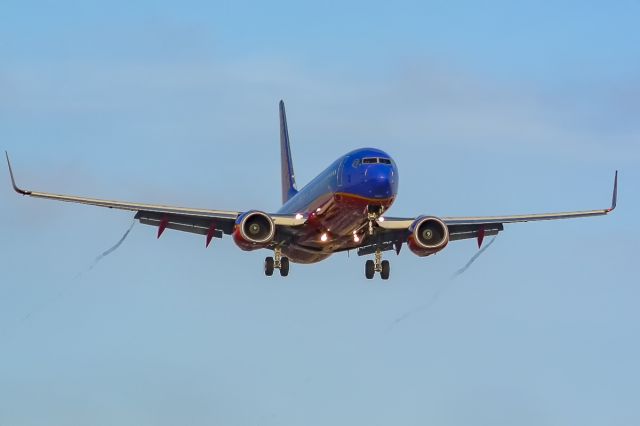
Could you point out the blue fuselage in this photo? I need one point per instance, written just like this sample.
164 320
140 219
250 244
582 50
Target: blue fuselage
337 202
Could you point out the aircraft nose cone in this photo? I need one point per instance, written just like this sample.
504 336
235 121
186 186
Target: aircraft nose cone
380 181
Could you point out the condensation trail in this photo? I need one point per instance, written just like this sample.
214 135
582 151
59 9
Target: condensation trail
114 248
419 308
473 259
42 306
74 282
439 290
107 252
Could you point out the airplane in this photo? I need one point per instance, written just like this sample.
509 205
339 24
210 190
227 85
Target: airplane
343 208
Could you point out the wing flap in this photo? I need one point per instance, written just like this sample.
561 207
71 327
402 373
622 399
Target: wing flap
463 232
192 224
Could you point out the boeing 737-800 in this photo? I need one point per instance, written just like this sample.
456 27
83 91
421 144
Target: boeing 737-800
343 208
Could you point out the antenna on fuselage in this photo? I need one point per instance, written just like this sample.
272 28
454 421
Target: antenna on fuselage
286 163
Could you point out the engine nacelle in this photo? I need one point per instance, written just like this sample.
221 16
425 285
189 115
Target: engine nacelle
428 235
253 230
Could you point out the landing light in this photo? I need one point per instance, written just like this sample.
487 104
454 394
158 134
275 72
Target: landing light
324 237
356 239
381 219
299 216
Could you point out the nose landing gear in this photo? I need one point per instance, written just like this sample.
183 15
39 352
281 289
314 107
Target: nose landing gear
373 213
280 262
377 265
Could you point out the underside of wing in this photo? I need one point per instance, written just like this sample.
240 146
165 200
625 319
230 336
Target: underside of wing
392 238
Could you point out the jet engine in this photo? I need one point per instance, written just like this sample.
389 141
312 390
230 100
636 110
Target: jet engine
428 235
253 230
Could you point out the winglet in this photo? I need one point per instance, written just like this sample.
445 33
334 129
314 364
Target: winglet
614 198
13 180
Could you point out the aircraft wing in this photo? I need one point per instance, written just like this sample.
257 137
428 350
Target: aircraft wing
394 230
212 223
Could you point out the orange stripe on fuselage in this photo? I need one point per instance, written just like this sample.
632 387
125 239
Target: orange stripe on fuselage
377 201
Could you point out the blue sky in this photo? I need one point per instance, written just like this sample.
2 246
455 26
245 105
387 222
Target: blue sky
496 108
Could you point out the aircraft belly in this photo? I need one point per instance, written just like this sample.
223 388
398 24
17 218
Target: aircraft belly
347 213
340 216
298 254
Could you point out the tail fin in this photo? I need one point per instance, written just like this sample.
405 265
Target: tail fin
288 178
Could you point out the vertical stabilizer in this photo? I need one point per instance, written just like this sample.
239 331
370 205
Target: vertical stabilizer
286 164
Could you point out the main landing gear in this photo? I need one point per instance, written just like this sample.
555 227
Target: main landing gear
379 265
280 262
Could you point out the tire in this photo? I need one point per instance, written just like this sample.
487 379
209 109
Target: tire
284 266
386 270
268 266
369 269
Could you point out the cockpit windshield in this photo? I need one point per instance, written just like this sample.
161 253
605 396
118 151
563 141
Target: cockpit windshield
376 160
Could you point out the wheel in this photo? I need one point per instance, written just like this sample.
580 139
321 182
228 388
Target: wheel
369 269
284 266
386 269
268 266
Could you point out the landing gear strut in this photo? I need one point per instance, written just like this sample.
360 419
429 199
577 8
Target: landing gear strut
377 265
280 262
373 213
